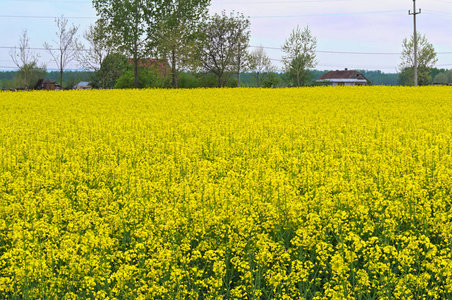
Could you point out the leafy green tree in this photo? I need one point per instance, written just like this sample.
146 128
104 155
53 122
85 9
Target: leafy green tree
426 57
272 80
146 78
300 55
406 76
221 41
176 33
440 78
449 76
128 22
112 68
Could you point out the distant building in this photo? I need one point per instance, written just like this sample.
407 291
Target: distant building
345 77
160 65
83 85
47 85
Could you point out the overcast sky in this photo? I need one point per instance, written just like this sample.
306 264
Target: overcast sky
357 26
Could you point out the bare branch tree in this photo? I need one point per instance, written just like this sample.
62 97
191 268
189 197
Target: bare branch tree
100 46
260 65
24 58
67 45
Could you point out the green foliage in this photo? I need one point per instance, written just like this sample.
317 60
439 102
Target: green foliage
68 77
272 80
300 56
7 75
146 78
406 76
113 66
176 33
188 81
128 23
440 78
222 38
30 74
426 59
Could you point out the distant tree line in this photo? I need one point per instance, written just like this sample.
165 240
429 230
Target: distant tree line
150 78
177 44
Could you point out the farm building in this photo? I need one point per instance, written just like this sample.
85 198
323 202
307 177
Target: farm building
48 85
82 85
160 65
345 77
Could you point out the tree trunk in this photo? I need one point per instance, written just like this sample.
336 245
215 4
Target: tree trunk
238 67
61 77
135 67
61 70
174 84
219 81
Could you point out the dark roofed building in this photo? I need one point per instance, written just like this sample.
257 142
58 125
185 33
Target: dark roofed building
48 85
345 77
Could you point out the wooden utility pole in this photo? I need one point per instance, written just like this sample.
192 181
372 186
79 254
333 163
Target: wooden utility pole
415 40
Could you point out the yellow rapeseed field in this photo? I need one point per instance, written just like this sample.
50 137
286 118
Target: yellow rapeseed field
311 193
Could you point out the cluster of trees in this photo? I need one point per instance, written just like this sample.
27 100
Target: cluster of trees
193 50
180 33
443 77
426 59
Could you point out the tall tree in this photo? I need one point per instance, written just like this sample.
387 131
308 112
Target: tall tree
128 23
66 44
222 40
175 35
241 57
260 65
100 45
300 49
25 59
426 58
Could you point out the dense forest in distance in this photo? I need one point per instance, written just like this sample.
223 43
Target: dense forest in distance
247 80
191 80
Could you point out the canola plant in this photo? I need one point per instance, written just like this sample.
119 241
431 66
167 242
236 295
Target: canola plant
311 193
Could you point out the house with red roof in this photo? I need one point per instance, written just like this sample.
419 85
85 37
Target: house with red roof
160 65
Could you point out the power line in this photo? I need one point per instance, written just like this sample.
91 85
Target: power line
329 15
252 17
272 48
348 52
44 17
278 2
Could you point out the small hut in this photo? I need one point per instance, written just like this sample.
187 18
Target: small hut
47 85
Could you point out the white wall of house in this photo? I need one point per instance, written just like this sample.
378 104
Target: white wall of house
346 82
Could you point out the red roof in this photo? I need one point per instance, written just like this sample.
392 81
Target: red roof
160 64
346 74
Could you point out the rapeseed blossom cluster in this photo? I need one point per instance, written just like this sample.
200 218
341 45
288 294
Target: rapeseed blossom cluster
312 193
